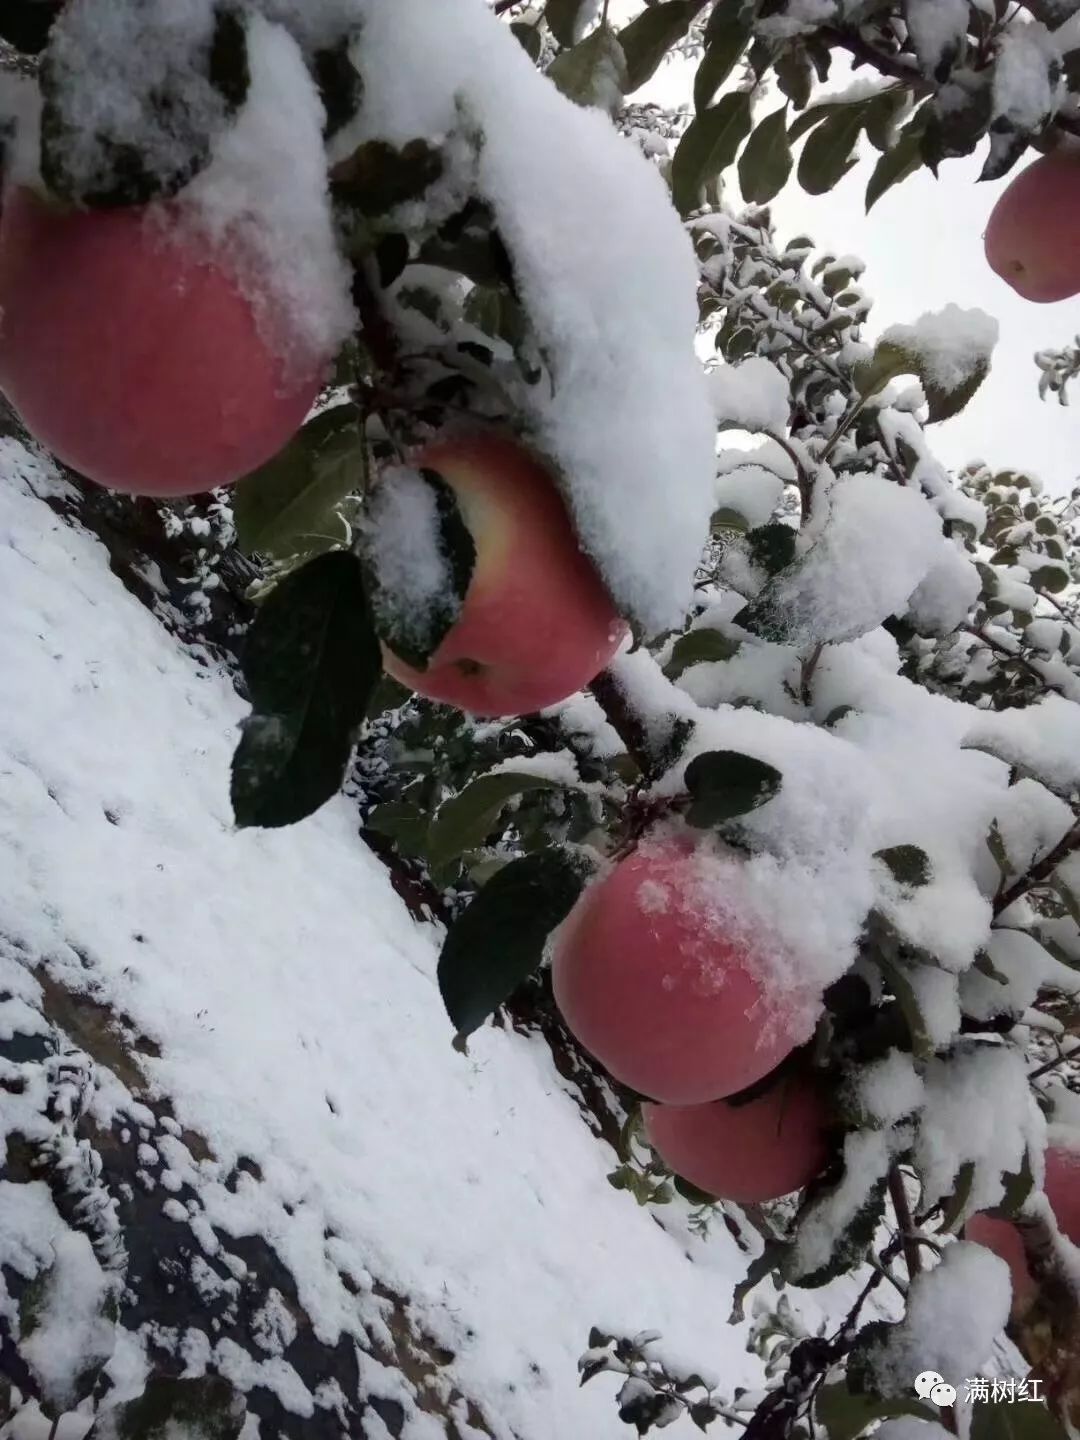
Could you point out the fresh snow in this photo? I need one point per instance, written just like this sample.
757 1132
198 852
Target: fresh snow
952 343
300 1024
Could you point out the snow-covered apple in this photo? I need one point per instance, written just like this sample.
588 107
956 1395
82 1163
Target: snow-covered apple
132 350
1033 238
750 1152
1062 1186
656 977
536 623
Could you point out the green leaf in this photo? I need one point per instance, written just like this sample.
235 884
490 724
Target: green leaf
728 520
766 162
1014 1422
406 825
895 165
708 146
529 38
378 176
311 661
899 983
593 73
908 864
466 820
844 1415
562 18
955 1207
795 76
699 647
648 38
724 785
25 24
208 1407
772 546
341 88
827 155
499 940
726 37
288 506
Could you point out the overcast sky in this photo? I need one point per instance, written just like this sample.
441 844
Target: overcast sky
923 248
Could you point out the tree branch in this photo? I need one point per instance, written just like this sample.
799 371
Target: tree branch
1040 871
622 718
908 1236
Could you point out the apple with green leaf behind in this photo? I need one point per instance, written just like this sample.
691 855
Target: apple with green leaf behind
536 623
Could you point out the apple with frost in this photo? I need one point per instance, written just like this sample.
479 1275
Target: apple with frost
658 978
133 350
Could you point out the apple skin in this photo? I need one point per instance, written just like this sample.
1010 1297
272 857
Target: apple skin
1062 1188
670 1002
537 623
131 352
748 1153
1033 236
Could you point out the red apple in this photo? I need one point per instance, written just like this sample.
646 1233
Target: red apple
131 350
1062 1188
1033 238
658 981
747 1153
536 624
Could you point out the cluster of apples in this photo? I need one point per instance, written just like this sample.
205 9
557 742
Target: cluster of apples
657 984
1030 239
132 350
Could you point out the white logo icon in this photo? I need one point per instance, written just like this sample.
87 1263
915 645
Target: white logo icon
932 1386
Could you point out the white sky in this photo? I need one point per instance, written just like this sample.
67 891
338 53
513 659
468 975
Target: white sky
923 248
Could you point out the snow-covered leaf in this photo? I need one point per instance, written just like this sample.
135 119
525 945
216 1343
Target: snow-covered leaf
844 1415
288 506
311 661
562 17
949 352
499 940
724 785
699 647
908 864
207 1407
466 820
377 176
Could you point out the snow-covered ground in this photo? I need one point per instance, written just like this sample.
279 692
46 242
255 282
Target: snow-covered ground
294 1004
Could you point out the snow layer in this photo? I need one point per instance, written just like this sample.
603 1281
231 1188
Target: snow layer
952 343
753 396
300 1022
628 415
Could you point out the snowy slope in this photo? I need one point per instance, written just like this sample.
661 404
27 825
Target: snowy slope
294 1004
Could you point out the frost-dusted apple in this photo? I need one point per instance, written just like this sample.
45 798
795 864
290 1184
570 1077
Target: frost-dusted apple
756 1151
1033 237
660 980
131 349
536 623
1062 1186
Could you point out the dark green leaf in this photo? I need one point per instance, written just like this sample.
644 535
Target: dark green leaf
1014 1422
406 825
499 940
530 39
699 647
891 360
1018 1187
724 785
955 1207
562 18
378 176
311 661
828 155
341 88
908 864
494 310
844 1415
772 546
207 1406
708 146
726 37
288 506
593 73
853 1239
25 24
899 983
766 162
648 38
795 77
466 820
729 520
228 69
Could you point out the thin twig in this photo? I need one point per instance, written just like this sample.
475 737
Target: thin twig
908 1236
1073 1054
1040 871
